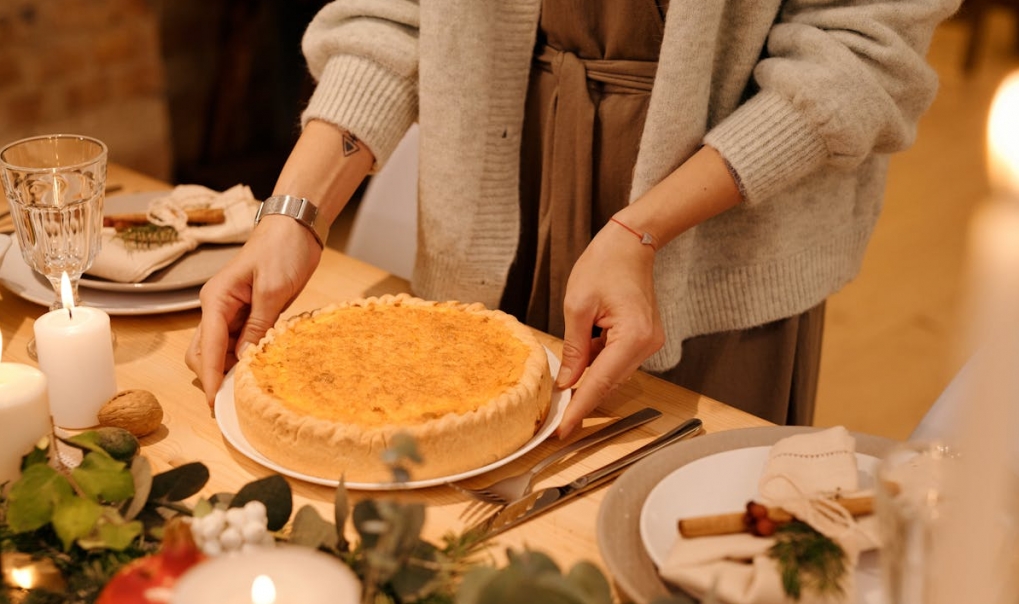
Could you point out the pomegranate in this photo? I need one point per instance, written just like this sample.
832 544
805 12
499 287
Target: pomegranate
150 580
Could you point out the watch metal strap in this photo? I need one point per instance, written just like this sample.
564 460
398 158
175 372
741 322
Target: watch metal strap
298 208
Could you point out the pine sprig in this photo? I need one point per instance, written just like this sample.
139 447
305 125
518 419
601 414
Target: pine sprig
808 559
148 235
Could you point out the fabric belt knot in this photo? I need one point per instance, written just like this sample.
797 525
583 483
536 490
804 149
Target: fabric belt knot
567 167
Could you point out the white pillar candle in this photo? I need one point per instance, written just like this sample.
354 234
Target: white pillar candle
280 575
24 415
75 350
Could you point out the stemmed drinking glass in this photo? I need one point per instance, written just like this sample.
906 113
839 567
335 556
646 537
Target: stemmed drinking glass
55 186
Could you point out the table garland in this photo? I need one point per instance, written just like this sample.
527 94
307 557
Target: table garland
89 522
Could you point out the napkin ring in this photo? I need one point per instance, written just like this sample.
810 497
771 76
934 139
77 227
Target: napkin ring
301 210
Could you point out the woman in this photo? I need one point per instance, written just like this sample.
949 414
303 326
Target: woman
688 182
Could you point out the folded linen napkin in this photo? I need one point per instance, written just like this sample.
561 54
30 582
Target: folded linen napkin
802 473
127 261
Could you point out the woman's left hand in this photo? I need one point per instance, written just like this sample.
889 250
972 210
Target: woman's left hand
611 287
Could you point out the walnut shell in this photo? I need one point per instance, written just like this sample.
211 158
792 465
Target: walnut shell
136 411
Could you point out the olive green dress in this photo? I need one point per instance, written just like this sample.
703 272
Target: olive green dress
591 79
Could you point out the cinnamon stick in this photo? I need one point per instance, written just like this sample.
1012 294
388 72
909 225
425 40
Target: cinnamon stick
199 216
727 524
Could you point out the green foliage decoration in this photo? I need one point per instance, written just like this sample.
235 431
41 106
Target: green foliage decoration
110 509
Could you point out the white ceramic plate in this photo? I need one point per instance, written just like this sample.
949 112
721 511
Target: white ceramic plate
16 276
713 473
191 270
673 498
226 417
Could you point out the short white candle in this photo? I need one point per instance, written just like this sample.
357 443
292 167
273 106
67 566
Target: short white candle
75 349
24 415
295 574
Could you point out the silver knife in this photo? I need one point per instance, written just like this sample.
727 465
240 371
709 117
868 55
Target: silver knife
542 500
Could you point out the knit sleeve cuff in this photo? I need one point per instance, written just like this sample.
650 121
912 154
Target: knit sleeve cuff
768 144
372 103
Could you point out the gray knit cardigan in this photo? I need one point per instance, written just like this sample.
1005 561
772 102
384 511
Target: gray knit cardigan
805 99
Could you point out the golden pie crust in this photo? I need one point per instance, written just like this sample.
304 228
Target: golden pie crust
324 392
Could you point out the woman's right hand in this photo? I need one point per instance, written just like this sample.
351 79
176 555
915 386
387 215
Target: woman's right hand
245 298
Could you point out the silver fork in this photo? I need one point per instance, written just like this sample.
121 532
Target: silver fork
514 487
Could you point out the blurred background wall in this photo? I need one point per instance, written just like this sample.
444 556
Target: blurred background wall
205 91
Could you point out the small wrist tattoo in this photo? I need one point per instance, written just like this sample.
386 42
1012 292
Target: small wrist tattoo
350 144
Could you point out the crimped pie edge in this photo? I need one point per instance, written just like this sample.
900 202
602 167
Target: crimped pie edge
449 445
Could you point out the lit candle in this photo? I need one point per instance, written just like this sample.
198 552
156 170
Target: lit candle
975 569
24 414
21 571
285 574
75 349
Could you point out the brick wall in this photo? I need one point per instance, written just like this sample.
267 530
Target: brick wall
90 67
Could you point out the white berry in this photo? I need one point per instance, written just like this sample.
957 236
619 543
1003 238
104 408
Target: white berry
255 510
235 517
212 548
231 539
253 531
212 524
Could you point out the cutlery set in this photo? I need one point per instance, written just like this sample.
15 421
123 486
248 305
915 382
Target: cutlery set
517 503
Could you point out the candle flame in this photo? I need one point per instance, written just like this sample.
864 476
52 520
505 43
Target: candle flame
66 295
23 577
263 590
1003 137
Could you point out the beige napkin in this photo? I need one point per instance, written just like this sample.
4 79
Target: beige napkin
801 474
129 262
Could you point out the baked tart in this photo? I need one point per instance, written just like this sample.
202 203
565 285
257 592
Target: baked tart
324 392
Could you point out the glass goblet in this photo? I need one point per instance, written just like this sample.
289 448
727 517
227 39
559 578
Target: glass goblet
55 186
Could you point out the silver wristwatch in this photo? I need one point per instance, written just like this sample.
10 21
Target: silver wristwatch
301 210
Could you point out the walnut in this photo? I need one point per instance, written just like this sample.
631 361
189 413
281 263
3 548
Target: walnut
136 411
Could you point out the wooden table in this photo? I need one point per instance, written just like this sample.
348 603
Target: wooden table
150 355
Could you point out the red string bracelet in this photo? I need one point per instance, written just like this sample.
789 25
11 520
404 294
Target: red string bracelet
645 238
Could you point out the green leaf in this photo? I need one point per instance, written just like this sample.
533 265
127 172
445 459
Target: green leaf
474 583
74 518
202 508
405 522
274 492
115 442
32 499
141 474
368 522
311 530
590 582
401 446
179 483
415 580
40 453
103 478
532 563
118 534
516 583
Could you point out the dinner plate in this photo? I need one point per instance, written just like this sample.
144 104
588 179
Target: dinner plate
20 279
190 270
714 473
226 417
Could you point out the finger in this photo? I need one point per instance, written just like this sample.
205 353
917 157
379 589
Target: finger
213 338
265 310
579 320
612 367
